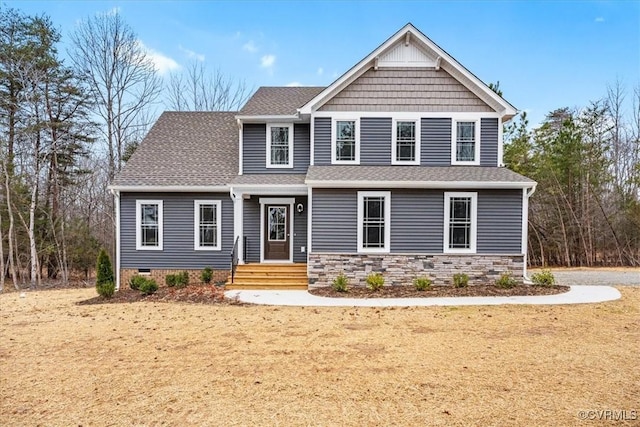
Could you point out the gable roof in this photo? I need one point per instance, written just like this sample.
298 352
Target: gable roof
184 149
278 101
426 47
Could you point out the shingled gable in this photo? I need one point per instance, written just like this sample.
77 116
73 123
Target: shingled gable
425 53
195 151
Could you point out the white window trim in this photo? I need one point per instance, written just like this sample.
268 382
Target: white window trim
333 141
268 149
394 141
387 220
454 137
139 246
196 225
474 222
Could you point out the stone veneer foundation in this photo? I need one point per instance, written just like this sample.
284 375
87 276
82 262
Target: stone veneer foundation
401 269
159 276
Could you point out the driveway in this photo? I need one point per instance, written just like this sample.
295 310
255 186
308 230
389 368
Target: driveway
609 277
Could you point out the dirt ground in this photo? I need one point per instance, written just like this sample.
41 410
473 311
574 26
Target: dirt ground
158 363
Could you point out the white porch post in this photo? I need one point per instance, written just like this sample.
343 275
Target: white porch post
238 222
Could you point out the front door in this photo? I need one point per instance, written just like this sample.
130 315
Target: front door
277 233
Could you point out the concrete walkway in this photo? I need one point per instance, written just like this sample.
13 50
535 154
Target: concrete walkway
576 295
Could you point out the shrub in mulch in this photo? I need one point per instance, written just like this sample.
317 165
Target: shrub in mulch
440 291
198 294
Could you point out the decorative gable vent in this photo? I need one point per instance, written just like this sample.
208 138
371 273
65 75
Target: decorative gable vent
405 55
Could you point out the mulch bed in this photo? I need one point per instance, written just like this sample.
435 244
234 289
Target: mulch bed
440 291
210 294
198 294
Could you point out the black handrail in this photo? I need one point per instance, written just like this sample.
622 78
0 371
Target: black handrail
234 258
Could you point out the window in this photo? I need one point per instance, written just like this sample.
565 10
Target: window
460 221
374 211
148 224
345 141
277 223
466 147
207 225
279 146
406 142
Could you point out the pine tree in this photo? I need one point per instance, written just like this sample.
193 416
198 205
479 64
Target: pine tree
104 272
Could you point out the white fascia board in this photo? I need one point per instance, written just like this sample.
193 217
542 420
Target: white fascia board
169 188
270 118
268 189
406 115
504 185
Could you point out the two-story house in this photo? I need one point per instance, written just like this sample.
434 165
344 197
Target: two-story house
395 167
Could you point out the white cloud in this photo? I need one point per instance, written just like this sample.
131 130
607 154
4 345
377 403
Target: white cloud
599 19
267 61
191 54
250 46
320 71
162 63
293 84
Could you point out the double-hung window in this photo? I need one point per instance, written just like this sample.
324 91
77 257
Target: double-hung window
466 143
345 142
207 224
460 222
406 142
374 212
148 224
279 146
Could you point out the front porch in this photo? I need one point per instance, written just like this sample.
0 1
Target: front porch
269 277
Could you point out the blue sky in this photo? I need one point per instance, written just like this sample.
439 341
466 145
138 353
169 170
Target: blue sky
546 54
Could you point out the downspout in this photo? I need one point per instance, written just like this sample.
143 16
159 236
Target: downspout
525 232
116 195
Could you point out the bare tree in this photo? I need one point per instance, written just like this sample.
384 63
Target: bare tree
195 89
120 75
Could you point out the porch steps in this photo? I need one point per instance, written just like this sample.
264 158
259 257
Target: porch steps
269 276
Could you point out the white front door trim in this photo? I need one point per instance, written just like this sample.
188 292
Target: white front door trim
290 201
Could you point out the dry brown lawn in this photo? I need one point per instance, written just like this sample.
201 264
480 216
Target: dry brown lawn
146 363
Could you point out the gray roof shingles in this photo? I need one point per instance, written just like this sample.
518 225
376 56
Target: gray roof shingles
185 149
270 179
471 174
279 101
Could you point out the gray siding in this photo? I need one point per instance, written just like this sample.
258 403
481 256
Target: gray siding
489 142
254 142
322 141
251 226
417 221
500 221
300 231
302 147
375 141
251 229
178 228
406 89
334 220
435 142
